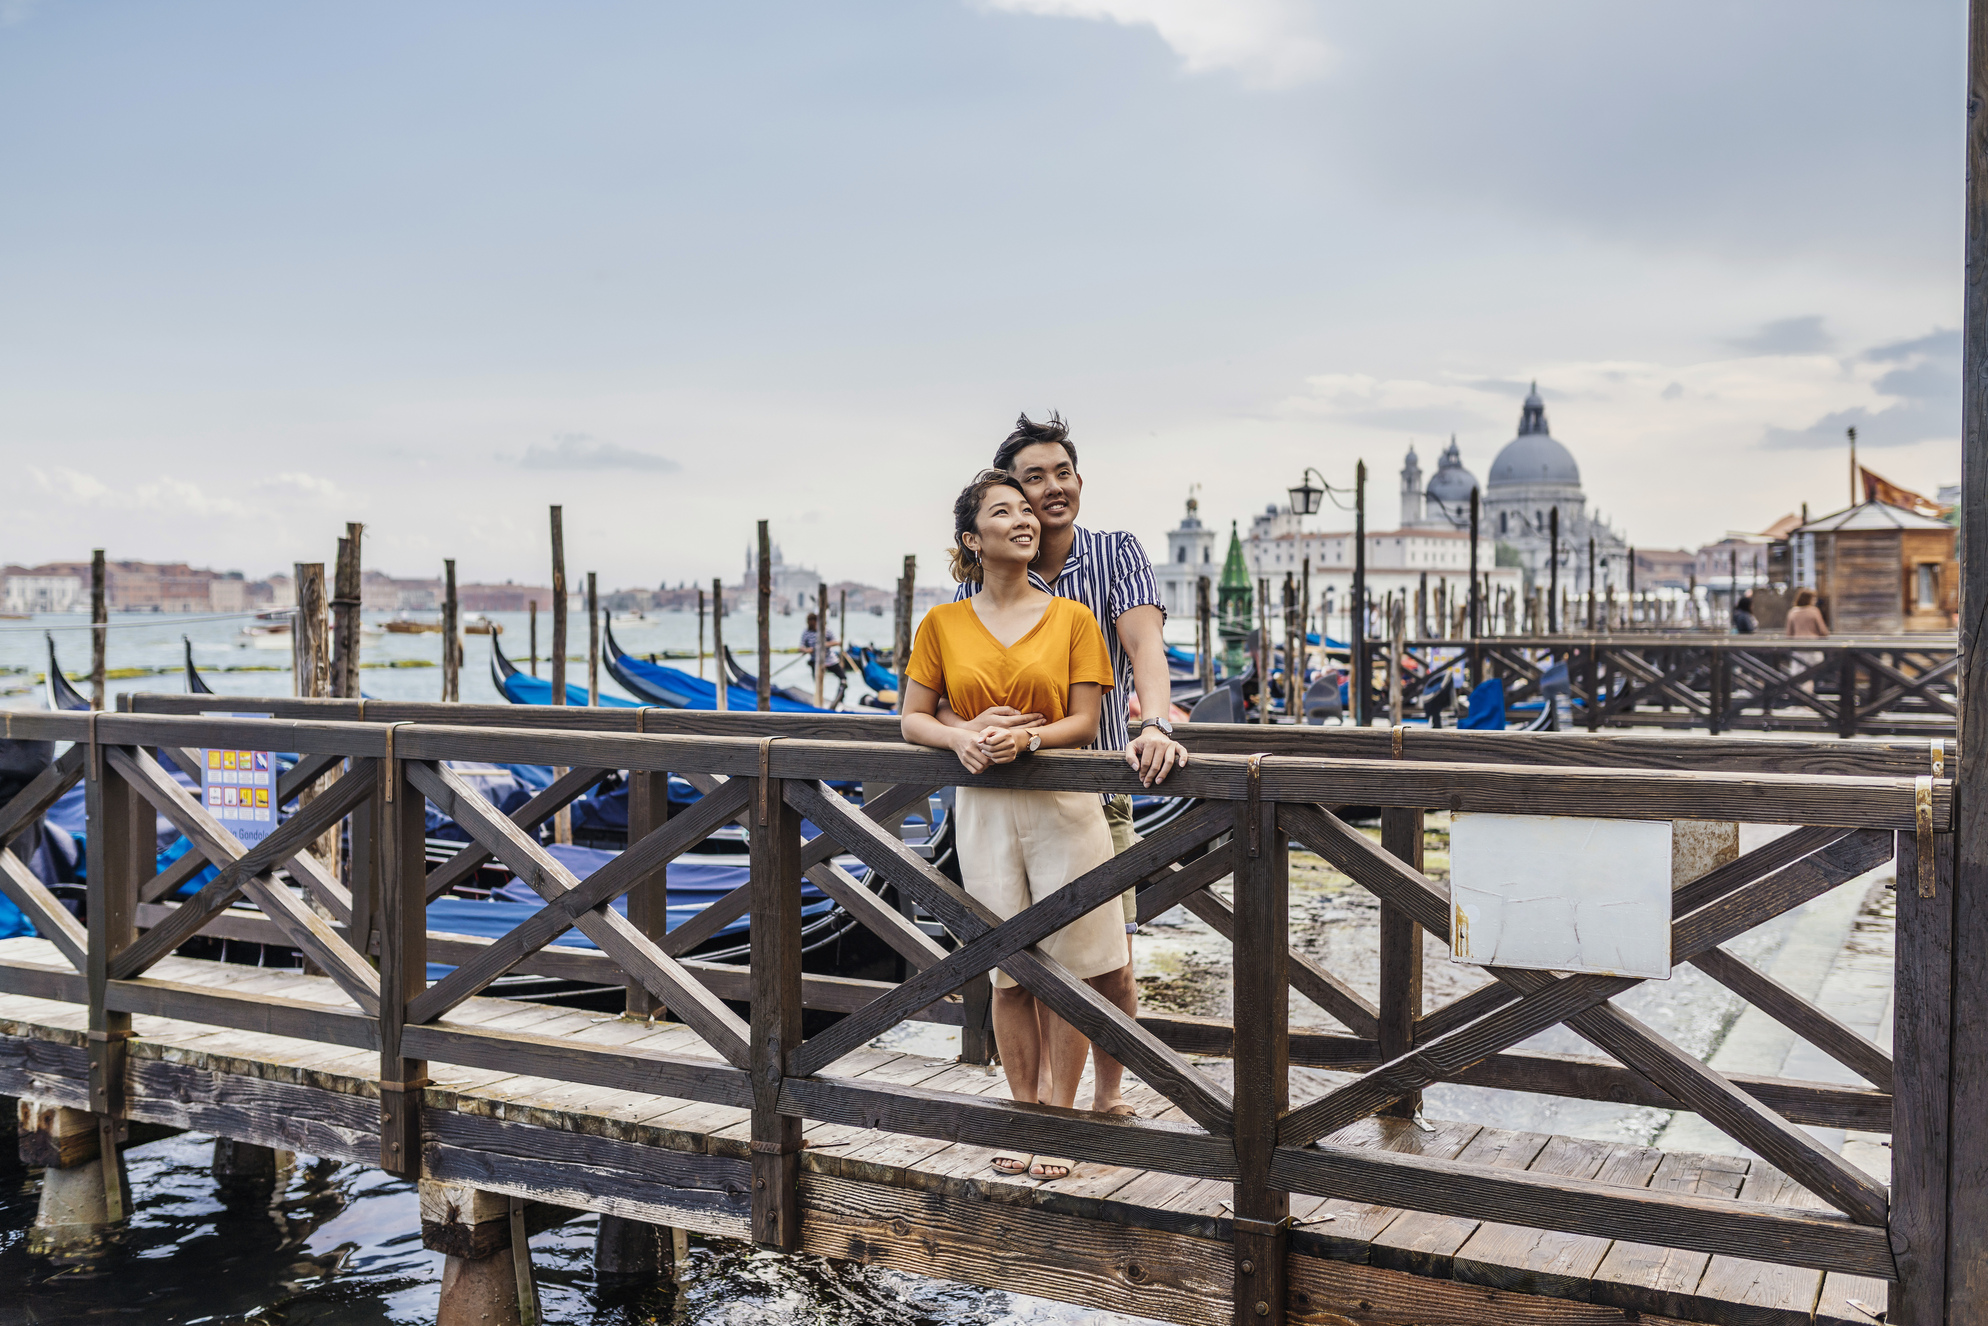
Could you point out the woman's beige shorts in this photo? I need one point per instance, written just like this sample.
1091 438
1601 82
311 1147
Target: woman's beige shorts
1018 847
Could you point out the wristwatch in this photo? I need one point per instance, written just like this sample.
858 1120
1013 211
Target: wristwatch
1157 722
1035 740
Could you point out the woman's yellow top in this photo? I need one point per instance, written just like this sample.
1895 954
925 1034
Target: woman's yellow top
956 655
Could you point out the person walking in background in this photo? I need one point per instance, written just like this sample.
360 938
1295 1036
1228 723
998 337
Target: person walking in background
1017 647
1111 575
1744 622
1805 619
1805 623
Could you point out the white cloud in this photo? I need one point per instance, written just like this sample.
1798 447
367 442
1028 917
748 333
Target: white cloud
14 12
1271 43
298 486
578 451
164 493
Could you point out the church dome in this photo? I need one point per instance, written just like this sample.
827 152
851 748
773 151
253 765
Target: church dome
1534 457
1452 483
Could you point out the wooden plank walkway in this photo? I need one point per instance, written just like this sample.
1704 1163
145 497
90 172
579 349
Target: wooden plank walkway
1144 1242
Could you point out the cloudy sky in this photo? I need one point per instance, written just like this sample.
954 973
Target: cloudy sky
267 268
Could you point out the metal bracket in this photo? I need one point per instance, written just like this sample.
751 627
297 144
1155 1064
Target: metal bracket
1922 814
1400 731
1254 806
765 776
387 761
1939 757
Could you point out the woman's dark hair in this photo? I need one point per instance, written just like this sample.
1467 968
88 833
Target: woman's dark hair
1804 598
966 565
1028 433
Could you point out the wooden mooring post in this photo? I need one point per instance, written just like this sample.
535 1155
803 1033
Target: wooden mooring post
99 625
765 602
451 635
1966 1236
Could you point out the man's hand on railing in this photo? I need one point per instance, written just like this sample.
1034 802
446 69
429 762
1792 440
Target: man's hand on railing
1153 755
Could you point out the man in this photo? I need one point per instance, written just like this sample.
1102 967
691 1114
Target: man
1111 575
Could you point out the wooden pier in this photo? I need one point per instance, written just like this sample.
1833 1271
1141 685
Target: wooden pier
1213 1207
1849 687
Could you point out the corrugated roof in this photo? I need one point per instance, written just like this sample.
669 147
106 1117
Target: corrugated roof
1871 516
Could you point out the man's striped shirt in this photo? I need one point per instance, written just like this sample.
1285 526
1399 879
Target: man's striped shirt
1110 574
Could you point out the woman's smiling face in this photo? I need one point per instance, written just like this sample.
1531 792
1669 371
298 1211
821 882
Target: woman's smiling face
1006 529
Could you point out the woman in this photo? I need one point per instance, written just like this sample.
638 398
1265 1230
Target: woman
1805 623
1012 644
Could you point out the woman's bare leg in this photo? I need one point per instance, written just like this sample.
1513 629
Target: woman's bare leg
1066 1049
1019 1038
1045 1085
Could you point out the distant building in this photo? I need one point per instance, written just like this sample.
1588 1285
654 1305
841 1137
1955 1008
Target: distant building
129 587
1665 568
29 591
1532 476
1190 555
1879 569
794 587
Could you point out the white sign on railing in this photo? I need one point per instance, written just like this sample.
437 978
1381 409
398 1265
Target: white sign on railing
1560 893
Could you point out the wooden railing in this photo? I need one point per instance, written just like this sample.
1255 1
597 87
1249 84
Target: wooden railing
1257 793
1889 686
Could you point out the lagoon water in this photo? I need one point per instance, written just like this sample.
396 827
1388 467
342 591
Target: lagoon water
394 666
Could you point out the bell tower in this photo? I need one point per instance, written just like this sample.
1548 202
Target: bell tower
1411 491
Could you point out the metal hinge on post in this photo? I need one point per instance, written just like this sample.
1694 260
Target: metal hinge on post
1922 815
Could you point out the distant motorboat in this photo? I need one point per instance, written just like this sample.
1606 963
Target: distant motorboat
265 635
408 626
476 623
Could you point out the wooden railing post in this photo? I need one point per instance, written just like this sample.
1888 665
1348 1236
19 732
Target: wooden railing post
1715 691
403 965
1922 1062
776 1015
1846 694
1263 1054
123 837
363 875
1591 679
1401 955
649 901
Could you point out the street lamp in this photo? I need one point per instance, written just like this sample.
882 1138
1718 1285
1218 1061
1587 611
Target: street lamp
1304 497
1305 501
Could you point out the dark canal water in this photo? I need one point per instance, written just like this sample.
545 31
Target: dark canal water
340 1245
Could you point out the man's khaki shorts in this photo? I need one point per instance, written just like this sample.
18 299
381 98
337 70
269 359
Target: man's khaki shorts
1118 814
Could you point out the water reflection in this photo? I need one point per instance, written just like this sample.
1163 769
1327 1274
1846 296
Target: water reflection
340 1245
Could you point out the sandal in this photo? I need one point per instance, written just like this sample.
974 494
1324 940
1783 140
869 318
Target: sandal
1011 1165
1123 1111
1048 1163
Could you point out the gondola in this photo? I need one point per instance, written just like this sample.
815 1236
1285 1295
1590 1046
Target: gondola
195 683
523 688
750 682
60 694
660 684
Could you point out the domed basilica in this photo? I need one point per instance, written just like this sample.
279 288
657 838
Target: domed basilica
1533 474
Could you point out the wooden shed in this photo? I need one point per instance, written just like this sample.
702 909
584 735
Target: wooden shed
1879 570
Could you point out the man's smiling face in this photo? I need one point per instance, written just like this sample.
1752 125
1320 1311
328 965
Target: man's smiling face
1051 483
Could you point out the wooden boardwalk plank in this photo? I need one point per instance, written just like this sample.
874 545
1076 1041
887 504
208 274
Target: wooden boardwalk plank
1644 1278
1424 1243
1550 1262
1135 1240
1353 1225
1750 1293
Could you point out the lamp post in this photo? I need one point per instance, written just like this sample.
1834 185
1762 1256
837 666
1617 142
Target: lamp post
1305 499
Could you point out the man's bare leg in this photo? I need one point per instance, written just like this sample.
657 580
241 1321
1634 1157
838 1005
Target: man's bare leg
1122 989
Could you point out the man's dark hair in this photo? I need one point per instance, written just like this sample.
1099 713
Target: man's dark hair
1028 433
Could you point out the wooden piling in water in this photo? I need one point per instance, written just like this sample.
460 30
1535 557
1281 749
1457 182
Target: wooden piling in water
533 628
1204 634
451 635
700 631
99 626
765 601
593 642
820 659
345 605
562 823
719 671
